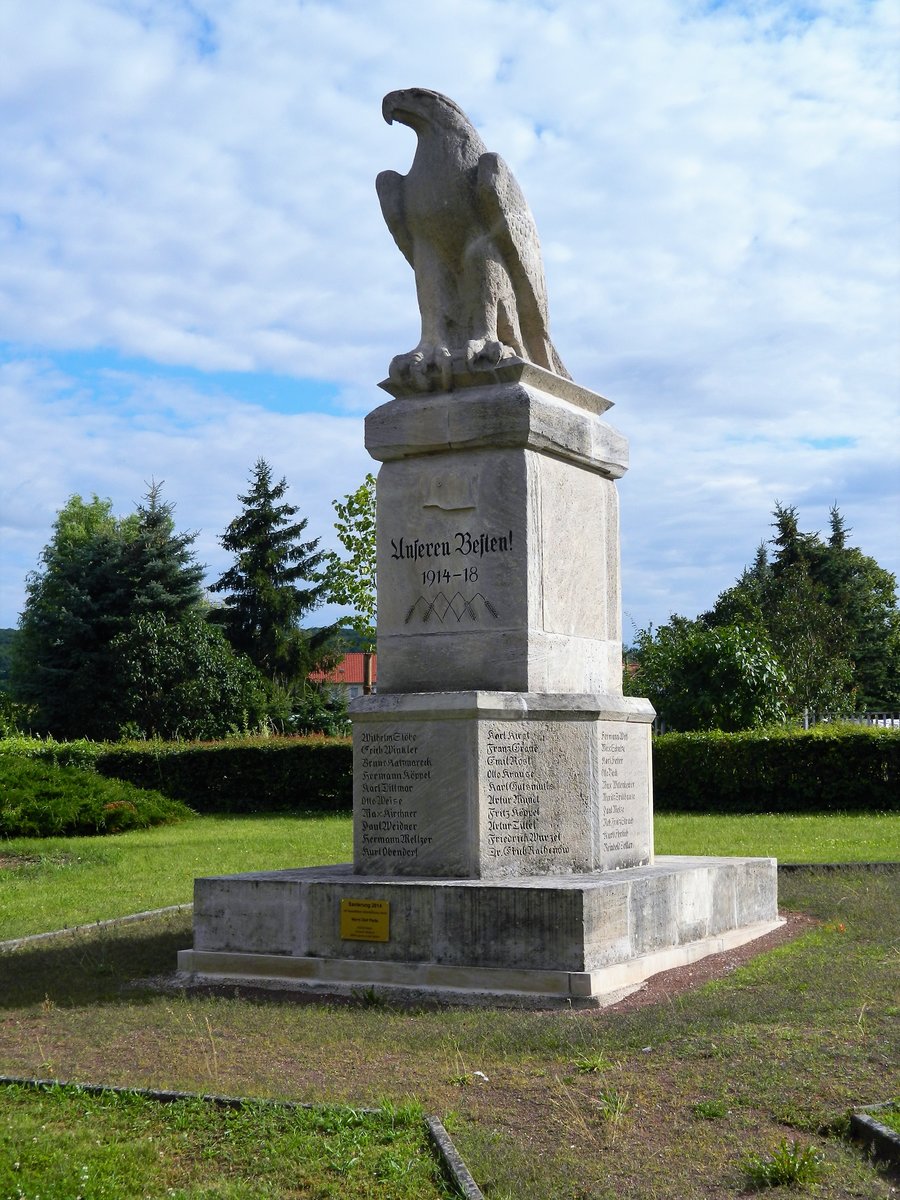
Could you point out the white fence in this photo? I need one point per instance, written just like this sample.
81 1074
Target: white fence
887 720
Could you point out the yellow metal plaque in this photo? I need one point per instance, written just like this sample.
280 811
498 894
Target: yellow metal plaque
365 920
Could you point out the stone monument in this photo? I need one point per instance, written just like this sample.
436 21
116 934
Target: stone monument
503 817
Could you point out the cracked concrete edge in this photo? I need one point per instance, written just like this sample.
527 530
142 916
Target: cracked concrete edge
453 1165
881 1141
437 1136
31 938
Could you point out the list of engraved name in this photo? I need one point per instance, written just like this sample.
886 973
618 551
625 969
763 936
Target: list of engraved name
393 765
618 814
520 794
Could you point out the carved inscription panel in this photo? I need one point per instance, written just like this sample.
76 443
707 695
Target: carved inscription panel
626 827
536 789
451 545
409 807
494 799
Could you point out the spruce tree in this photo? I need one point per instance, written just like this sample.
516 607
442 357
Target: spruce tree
830 613
164 574
98 574
76 602
839 530
264 597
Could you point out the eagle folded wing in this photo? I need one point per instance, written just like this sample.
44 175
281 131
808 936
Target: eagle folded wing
389 186
506 214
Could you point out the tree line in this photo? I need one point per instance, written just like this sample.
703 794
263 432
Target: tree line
118 637
812 625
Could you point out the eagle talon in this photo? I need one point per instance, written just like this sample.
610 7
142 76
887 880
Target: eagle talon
425 369
402 365
485 354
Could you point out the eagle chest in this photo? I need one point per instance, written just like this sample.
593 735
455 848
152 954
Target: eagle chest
439 207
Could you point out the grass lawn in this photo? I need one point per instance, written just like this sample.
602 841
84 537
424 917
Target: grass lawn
811 838
53 883
61 1142
667 1101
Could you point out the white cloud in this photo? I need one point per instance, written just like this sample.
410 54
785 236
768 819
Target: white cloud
201 445
716 186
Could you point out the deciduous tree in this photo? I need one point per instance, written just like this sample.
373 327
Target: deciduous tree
351 581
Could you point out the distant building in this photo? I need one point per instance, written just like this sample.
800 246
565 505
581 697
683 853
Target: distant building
348 679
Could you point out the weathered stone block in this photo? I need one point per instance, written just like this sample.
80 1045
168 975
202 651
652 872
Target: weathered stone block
498 542
496 785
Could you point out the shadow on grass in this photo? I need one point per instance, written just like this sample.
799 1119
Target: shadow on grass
92 966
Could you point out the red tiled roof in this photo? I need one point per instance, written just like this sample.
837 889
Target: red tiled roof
348 670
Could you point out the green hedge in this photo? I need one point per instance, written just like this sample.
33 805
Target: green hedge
251 775
82 753
827 769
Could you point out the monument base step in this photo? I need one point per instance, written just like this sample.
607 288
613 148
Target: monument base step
424 982
579 939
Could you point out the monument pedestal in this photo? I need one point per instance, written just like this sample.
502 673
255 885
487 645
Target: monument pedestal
498 538
503 831
539 941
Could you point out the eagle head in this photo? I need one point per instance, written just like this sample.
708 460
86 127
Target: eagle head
420 109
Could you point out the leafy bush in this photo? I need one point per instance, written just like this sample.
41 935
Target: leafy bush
182 679
39 799
14 715
305 708
279 774
826 769
701 678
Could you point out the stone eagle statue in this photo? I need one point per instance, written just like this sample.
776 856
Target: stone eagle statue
462 223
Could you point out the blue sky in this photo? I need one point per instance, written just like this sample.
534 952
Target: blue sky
194 270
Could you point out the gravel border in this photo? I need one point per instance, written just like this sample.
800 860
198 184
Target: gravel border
437 1137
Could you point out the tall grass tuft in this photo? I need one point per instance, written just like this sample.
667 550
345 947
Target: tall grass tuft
789 1165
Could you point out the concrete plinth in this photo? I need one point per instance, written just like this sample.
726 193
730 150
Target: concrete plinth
536 941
